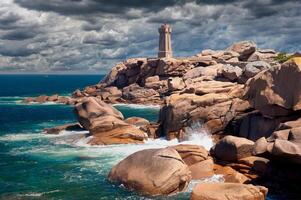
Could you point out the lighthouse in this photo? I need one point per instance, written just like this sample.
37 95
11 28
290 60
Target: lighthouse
165 50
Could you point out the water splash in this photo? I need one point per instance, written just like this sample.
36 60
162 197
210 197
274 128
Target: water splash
197 134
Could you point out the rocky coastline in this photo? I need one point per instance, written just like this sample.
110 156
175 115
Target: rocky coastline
247 98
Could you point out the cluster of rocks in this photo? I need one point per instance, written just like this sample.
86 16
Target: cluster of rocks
107 125
53 98
150 80
242 95
169 170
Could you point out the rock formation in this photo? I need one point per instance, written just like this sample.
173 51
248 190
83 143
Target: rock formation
226 191
153 172
106 123
246 98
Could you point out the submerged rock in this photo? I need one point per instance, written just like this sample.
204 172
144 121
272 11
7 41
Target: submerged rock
66 127
152 172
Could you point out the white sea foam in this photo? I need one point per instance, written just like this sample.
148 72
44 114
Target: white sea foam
20 136
138 106
216 178
198 135
37 194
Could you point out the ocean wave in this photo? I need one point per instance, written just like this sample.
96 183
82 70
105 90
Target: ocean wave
37 194
20 136
137 106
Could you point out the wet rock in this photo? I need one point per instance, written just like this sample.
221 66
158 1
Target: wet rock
66 127
174 114
41 99
53 98
230 175
152 172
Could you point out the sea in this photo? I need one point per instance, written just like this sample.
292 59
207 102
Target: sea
34 165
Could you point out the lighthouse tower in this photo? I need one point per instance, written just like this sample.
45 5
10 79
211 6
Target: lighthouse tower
165 50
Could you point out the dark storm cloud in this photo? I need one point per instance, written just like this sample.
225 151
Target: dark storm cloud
74 7
89 35
19 34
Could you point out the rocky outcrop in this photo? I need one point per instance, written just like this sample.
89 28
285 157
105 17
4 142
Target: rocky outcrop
106 123
226 191
215 110
244 48
253 125
92 108
152 172
283 144
53 98
267 55
271 91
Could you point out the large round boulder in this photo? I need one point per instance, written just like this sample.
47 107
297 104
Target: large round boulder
152 172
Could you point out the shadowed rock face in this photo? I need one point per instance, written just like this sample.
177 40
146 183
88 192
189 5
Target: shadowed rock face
276 92
153 172
232 148
226 191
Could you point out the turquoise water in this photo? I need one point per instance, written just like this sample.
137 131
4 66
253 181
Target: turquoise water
38 166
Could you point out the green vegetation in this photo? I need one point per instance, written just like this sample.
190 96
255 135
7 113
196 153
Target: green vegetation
282 57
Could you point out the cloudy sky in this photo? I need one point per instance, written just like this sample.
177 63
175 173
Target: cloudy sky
88 36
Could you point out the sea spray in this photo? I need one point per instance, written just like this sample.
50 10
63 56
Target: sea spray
197 134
